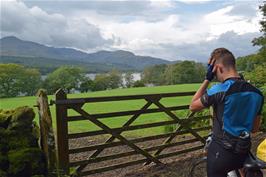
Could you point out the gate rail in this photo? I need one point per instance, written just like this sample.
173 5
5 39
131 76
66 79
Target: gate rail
184 127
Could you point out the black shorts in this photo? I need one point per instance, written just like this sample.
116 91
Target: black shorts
220 161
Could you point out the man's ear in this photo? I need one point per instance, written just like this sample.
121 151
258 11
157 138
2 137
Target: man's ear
219 68
214 69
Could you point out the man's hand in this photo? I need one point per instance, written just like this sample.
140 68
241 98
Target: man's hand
209 75
210 70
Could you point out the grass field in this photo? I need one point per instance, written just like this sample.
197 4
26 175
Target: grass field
83 126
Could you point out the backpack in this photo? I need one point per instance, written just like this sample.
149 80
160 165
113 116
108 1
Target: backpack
261 150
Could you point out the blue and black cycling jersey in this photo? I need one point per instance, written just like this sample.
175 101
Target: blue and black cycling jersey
236 104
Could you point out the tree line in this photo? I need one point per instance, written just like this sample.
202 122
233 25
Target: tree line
17 80
177 73
253 66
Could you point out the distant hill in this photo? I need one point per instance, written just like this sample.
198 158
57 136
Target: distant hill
47 65
33 54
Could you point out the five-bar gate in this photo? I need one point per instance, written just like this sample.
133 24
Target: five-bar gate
149 154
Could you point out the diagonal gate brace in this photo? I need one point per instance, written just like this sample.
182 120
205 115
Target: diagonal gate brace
182 125
116 135
170 138
112 138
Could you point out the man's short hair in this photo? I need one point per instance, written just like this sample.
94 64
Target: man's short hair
224 56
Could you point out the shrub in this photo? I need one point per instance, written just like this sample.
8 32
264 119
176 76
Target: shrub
19 151
263 124
193 124
26 162
139 83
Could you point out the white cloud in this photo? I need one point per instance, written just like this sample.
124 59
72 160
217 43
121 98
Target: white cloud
142 35
54 29
222 21
161 3
157 38
240 45
194 1
156 31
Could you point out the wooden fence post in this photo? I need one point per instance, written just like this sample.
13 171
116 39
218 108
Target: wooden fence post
47 140
62 131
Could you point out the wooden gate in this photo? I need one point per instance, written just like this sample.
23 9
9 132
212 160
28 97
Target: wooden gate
148 154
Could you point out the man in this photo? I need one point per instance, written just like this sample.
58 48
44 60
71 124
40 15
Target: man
237 107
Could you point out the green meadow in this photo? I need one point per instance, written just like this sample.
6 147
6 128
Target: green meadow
113 106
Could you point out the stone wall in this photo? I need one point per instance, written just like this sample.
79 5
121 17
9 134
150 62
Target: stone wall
20 155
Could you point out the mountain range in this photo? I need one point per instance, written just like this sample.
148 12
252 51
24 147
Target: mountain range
47 58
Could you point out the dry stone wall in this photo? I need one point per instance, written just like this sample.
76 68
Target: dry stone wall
20 154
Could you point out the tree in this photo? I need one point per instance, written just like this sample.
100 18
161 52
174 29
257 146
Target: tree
100 82
139 83
115 79
257 76
184 72
261 41
17 80
32 81
111 80
169 75
254 65
10 79
86 85
248 63
129 79
154 74
65 77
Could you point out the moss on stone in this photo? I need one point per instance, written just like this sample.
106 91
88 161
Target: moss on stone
4 120
35 130
4 163
22 118
19 151
3 140
3 173
23 139
3 133
27 162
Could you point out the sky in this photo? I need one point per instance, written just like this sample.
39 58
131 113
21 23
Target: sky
171 30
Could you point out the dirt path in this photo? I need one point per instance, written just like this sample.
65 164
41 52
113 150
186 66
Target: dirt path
180 168
176 166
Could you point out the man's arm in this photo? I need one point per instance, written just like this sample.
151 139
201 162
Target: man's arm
196 104
256 124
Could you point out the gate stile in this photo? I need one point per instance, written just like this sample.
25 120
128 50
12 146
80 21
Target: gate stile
76 104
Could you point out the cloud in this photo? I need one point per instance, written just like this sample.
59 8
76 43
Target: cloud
240 45
54 29
161 3
165 29
174 33
194 1
226 19
111 7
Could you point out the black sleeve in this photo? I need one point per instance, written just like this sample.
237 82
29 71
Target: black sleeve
209 100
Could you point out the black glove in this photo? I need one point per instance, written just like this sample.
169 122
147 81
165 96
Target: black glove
209 75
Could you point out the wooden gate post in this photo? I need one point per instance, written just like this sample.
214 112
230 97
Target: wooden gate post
47 140
62 131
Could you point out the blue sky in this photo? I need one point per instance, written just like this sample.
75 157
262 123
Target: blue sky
172 30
